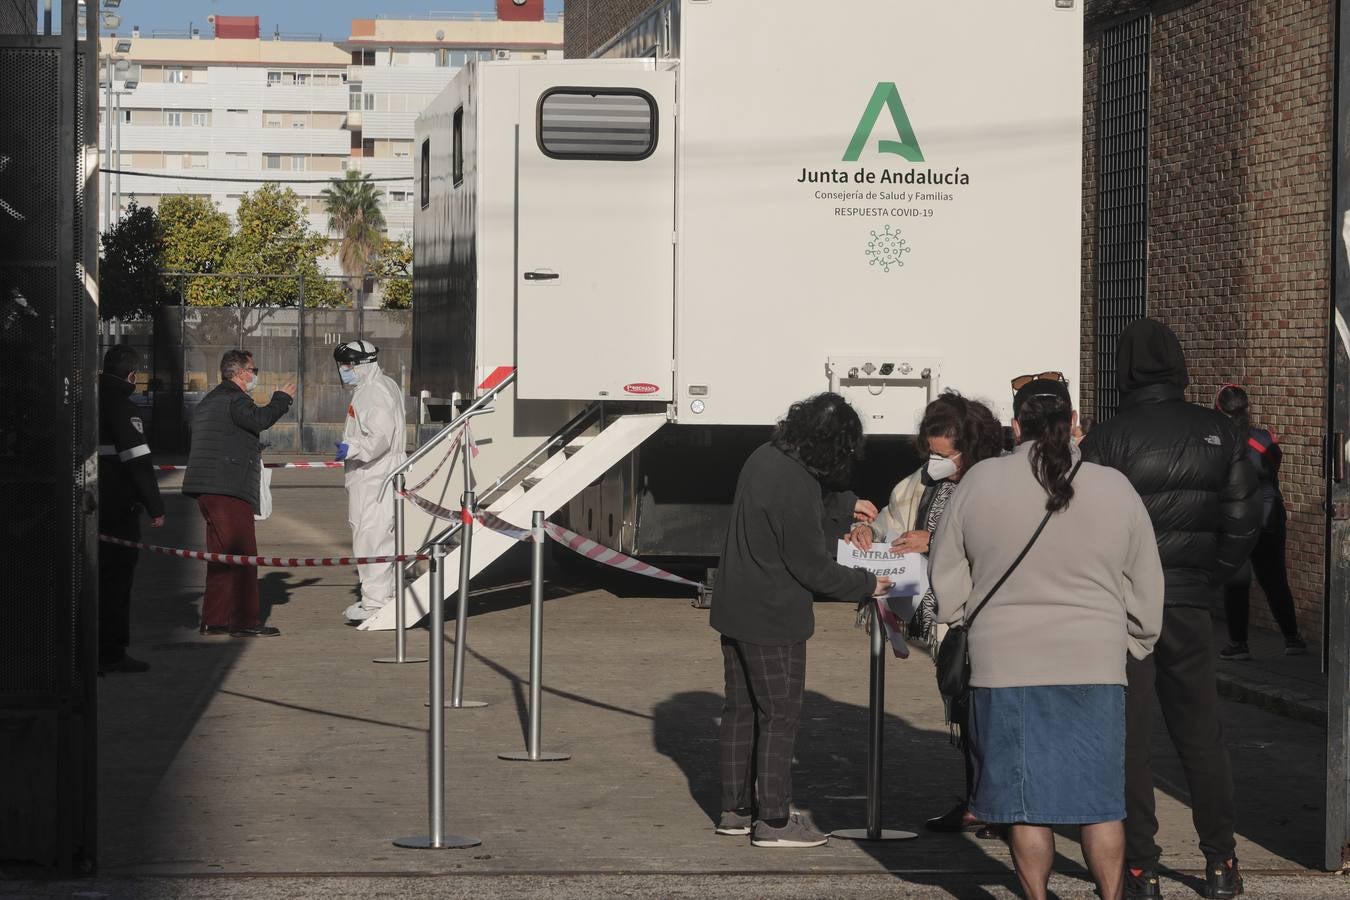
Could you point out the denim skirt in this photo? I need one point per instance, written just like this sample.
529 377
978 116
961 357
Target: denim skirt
1048 755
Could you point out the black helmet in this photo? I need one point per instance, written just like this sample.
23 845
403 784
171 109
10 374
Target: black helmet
353 353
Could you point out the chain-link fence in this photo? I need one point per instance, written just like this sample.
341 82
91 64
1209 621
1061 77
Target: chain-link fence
291 342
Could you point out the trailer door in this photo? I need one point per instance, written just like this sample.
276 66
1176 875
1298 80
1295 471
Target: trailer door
595 284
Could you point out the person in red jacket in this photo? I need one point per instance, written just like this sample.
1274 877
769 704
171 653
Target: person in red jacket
1267 560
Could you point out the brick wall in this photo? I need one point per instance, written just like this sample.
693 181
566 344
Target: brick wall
1239 195
589 24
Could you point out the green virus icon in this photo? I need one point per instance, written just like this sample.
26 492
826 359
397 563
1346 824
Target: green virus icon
887 249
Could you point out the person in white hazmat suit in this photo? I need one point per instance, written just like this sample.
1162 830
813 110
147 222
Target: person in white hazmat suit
373 445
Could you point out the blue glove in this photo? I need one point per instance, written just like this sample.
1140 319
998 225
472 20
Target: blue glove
341 452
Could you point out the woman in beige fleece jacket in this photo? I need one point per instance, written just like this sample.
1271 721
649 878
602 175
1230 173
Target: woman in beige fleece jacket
1047 705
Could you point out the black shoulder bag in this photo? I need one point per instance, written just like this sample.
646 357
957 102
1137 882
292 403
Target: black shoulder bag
953 657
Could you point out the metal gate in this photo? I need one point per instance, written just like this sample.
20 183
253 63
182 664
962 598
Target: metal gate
1122 196
48 601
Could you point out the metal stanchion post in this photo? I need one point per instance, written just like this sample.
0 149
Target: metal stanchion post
457 700
437 839
533 753
877 720
400 585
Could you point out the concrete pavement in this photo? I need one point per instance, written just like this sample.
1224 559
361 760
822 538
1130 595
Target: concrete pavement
236 763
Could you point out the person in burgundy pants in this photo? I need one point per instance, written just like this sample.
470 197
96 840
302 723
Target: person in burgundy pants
223 474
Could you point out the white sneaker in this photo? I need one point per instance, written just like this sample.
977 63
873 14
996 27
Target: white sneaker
358 613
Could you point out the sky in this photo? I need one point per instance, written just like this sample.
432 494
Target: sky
331 18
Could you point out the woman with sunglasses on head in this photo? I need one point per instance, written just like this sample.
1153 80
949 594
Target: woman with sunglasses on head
1267 559
1052 565
954 434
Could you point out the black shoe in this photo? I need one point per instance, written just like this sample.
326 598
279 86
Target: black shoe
1142 884
214 629
256 631
1295 646
1235 650
127 664
1222 879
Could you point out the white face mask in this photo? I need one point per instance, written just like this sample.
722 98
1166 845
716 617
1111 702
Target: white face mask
940 468
252 383
348 376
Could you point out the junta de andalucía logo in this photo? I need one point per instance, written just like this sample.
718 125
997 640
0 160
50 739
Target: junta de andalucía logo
885 97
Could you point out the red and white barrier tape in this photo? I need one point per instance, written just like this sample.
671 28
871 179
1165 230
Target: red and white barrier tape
450 451
282 562
569 539
289 465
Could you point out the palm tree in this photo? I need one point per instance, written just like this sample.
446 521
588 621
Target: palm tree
353 206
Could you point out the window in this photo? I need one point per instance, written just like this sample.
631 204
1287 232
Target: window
299 120
273 78
271 120
200 119
457 149
402 149
442 58
297 163
194 160
271 160
354 101
173 119
398 196
598 123
175 76
236 161
1122 196
426 173
126 117
368 147
302 78
369 101
288 78
345 164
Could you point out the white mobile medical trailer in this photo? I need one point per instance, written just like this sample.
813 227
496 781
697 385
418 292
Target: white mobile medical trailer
877 197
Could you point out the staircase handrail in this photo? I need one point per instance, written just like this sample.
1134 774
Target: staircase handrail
478 407
561 437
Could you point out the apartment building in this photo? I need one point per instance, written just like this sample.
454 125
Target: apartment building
216 116
399 65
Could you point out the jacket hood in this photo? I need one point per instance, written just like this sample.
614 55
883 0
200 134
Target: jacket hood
366 373
1149 353
114 385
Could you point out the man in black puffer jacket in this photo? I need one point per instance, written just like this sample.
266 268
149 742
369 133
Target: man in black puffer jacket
1201 493
224 472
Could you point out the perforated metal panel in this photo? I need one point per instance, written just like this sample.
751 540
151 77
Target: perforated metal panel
1122 196
48 597
33 622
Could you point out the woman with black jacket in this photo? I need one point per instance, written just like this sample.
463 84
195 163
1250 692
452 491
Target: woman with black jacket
775 561
1267 559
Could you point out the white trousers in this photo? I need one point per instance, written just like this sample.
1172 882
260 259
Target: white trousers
372 525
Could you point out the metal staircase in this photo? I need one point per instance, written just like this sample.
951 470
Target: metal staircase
546 479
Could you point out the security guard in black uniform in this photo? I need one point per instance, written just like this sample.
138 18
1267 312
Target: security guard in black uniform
126 485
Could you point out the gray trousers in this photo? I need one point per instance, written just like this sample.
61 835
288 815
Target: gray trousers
760 715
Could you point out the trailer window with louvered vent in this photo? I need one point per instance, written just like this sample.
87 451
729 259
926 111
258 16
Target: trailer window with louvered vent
597 123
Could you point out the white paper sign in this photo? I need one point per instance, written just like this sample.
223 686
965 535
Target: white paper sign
908 572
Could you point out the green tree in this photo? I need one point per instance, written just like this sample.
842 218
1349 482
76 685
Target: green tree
274 238
393 266
354 216
130 271
196 239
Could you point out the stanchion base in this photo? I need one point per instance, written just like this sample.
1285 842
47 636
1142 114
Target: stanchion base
448 842
395 659
524 756
464 704
862 834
